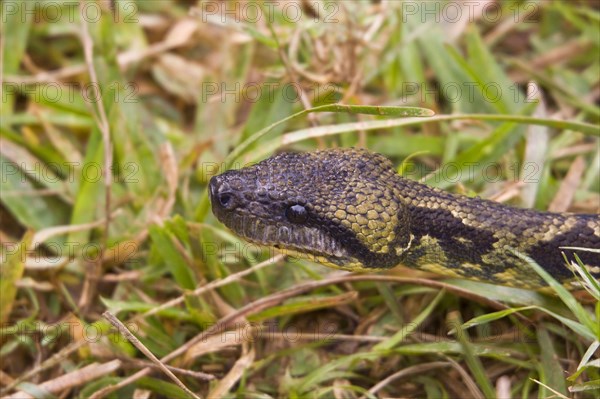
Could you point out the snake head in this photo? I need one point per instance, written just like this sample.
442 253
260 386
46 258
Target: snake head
336 207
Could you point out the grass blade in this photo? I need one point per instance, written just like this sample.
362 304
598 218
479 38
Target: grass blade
582 315
11 270
471 359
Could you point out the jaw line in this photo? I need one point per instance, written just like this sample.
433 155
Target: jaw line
250 230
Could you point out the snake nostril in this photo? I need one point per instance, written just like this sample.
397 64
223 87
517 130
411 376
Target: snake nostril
221 193
225 199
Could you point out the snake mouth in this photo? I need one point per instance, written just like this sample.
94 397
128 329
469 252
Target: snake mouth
301 241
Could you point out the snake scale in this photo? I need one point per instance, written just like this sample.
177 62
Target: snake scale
349 209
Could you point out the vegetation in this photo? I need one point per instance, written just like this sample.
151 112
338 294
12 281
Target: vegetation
162 95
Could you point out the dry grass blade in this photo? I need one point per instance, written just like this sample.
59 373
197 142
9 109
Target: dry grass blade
169 166
234 375
469 382
101 118
536 146
28 162
216 343
190 373
121 384
419 369
136 342
49 363
210 286
558 394
43 235
563 198
73 379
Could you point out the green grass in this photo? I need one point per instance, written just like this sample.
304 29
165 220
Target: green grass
505 109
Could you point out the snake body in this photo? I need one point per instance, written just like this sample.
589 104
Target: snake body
349 209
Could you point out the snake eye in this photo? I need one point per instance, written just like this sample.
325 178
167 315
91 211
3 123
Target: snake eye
296 214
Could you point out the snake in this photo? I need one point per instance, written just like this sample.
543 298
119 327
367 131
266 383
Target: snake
349 209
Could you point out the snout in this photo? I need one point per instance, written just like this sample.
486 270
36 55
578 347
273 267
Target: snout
213 187
221 194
